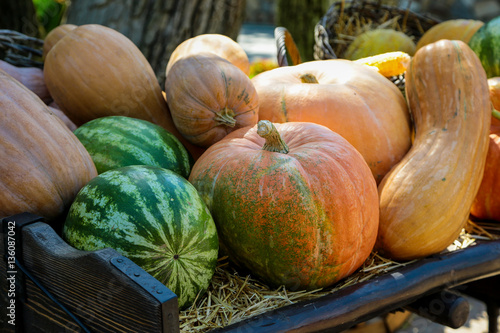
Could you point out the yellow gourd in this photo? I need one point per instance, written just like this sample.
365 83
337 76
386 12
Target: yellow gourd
389 63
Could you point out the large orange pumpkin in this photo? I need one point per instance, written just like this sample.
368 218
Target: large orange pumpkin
43 164
95 71
295 203
349 98
486 205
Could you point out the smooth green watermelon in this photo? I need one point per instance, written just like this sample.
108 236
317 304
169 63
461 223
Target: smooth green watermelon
118 141
486 44
154 217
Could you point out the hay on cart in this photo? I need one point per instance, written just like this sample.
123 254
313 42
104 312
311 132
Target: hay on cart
232 297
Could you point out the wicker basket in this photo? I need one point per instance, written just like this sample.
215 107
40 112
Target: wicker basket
345 20
20 50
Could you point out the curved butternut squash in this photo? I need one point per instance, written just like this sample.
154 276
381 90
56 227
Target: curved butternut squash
426 198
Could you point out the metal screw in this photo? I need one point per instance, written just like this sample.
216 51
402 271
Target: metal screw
159 291
137 274
120 260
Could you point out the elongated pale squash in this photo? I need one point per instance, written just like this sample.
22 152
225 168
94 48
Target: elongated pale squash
426 198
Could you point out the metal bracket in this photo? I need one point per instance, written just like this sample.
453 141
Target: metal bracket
142 278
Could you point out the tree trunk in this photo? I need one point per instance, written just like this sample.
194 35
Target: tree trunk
300 17
20 16
158 26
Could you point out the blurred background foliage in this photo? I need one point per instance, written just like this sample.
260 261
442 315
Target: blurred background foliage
158 26
49 14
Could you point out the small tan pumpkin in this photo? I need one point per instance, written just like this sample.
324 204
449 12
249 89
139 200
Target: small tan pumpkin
54 36
426 198
209 97
221 45
43 164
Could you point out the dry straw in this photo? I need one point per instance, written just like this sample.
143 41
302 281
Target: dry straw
232 297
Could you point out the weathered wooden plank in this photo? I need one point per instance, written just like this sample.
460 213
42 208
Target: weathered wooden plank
103 297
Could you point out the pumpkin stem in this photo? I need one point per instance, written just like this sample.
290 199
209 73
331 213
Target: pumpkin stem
274 142
308 78
225 117
495 113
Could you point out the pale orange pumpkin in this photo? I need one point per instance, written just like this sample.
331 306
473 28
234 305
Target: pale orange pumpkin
218 44
54 36
209 97
349 98
43 163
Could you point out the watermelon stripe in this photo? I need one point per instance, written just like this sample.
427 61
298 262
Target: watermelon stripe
117 141
148 214
486 44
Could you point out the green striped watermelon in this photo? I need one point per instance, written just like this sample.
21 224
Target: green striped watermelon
154 217
118 141
486 44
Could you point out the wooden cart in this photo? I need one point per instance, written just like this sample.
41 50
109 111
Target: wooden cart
48 286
